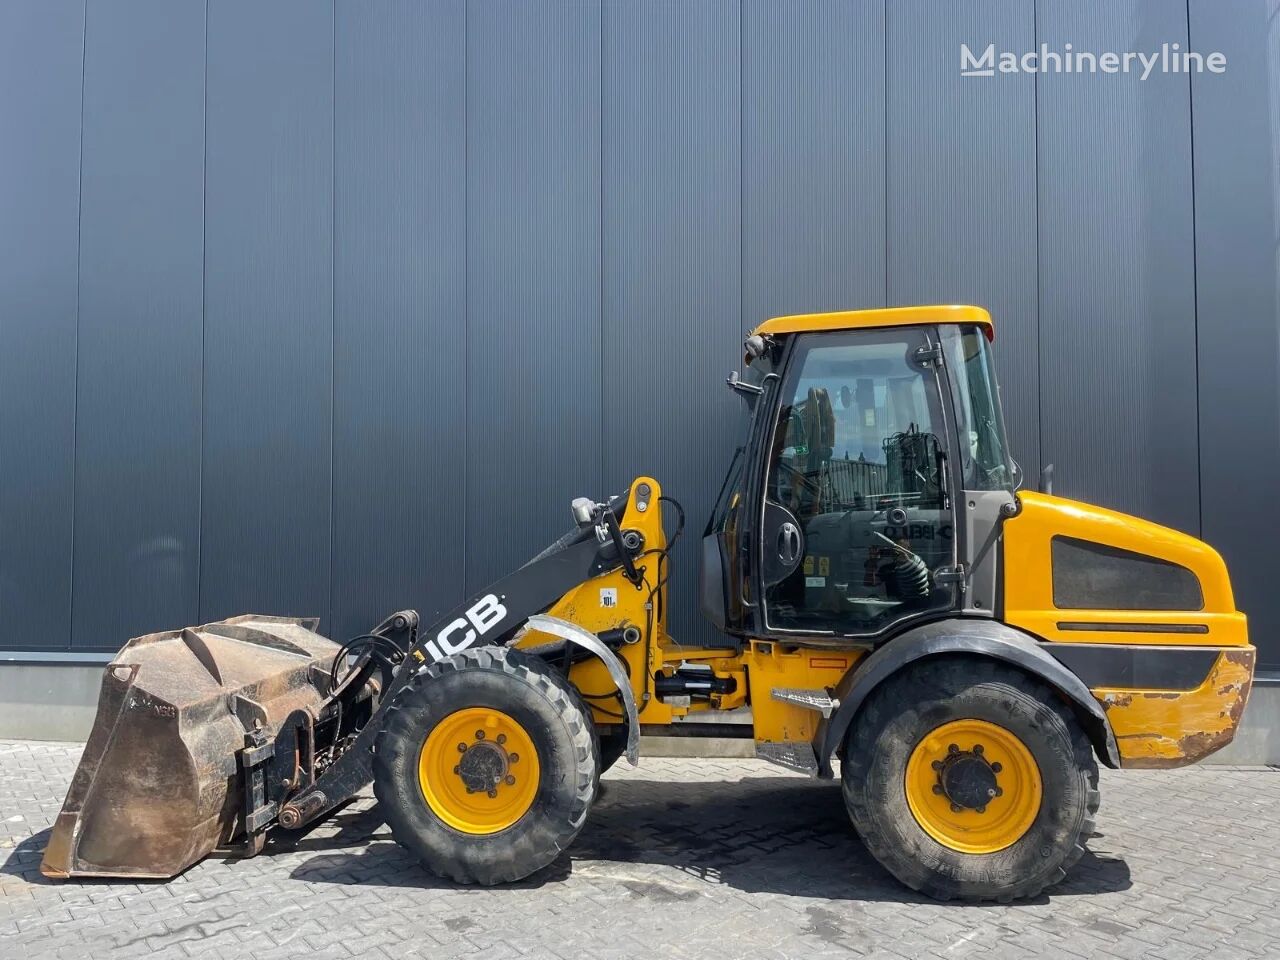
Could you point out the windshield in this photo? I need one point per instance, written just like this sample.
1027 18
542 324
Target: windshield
983 449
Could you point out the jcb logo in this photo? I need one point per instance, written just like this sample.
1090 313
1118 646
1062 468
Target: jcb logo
485 614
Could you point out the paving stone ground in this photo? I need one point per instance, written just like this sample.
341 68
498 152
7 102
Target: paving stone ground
681 858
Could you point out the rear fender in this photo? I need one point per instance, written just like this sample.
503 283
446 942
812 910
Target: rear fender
976 637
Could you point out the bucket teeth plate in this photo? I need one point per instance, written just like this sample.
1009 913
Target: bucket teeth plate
159 785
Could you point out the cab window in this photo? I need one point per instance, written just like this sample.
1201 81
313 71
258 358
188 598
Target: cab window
857 511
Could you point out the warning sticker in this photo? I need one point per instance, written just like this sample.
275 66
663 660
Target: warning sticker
815 581
608 596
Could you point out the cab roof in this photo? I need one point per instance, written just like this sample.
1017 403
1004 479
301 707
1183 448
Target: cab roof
884 317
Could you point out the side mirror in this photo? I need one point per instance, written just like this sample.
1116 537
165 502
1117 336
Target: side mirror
1046 479
735 383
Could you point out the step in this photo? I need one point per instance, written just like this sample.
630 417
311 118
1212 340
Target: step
794 755
809 699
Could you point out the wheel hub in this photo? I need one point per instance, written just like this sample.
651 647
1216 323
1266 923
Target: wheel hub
967 779
479 770
485 765
973 786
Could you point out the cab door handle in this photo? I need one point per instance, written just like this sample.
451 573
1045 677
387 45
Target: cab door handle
789 543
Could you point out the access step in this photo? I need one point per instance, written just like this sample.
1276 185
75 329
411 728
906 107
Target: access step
795 755
809 699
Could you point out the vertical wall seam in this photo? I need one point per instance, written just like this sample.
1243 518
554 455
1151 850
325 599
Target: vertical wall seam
333 247
1195 280
600 316
204 316
741 168
1035 159
466 293
75 362
884 142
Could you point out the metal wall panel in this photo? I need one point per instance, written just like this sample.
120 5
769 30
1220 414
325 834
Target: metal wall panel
533 358
137 513
813 160
962 184
41 47
1237 180
672 186
1117 270
265 536
399 308
430 250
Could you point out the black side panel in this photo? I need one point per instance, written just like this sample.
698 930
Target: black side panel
979 637
1136 666
1093 576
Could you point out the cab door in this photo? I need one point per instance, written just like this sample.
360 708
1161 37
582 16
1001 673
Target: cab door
728 557
856 530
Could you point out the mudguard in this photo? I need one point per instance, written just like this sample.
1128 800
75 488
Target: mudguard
572 633
980 637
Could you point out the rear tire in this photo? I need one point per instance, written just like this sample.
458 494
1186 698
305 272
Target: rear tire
939 812
496 834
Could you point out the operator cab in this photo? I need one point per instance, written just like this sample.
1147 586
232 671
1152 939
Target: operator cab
838 516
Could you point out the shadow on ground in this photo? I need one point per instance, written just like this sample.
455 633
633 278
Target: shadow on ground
23 860
758 835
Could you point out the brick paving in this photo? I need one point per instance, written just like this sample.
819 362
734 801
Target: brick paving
681 858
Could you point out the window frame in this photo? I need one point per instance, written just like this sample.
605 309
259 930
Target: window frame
765 436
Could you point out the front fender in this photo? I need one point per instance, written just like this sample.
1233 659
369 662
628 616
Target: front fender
977 637
572 633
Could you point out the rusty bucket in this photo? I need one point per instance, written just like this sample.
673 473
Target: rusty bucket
160 784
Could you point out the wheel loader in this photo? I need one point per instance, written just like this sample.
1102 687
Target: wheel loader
887 600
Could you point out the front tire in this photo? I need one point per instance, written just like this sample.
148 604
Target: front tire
971 780
485 767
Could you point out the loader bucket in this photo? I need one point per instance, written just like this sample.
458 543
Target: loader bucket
159 784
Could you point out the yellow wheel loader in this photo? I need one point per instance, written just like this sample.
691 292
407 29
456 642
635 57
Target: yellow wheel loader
886 597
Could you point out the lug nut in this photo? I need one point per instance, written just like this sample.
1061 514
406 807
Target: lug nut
502 738
511 781
996 768
937 764
982 809
953 749
937 788
999 792
479 734
977 748
512 758
956 808
462 748
456 768
492 794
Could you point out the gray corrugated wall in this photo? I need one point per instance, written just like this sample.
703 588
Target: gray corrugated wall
330 307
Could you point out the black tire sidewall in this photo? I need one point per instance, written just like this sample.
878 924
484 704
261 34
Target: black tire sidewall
876 793
524 689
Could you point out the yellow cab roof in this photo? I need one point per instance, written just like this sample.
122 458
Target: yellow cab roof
884 317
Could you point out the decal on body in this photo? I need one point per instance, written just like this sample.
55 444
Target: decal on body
481 617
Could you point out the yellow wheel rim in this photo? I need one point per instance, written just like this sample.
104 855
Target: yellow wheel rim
973 786
479 771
